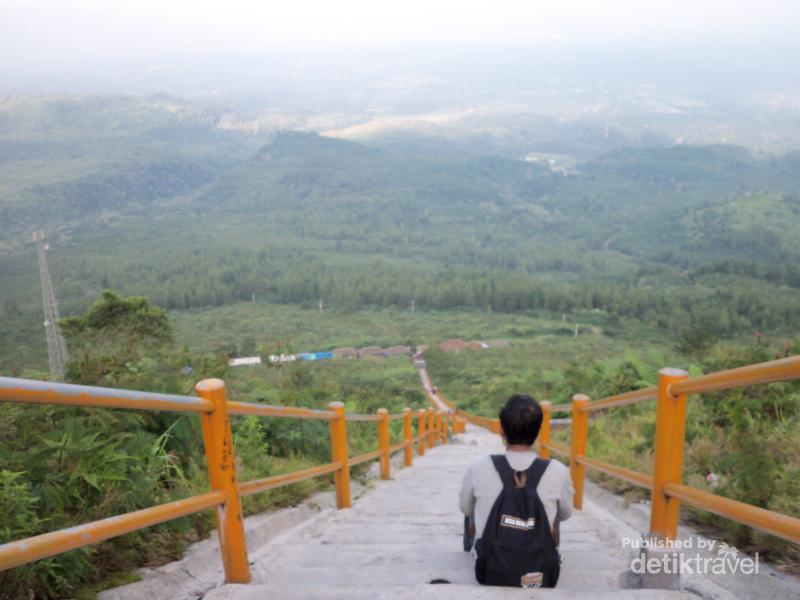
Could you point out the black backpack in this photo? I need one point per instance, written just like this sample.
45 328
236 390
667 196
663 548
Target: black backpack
516 548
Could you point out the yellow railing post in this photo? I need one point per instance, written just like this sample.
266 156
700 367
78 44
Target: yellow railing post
408 437
339 453
459 425
580 429
431 428
668 453
218 442
444 428
544 432
439 427
422 417
383 442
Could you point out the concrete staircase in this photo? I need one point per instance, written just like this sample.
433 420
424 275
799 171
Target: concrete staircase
402 535
406 532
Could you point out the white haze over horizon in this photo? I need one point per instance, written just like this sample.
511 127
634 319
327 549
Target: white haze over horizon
64 33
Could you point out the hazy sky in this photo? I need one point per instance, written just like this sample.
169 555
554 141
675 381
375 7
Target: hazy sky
62 32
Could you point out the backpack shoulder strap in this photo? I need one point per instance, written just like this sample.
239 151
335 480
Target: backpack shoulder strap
535 472
504 470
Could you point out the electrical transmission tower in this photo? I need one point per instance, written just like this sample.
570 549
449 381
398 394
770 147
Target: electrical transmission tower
56 348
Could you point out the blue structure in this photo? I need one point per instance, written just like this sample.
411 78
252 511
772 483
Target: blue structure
315 355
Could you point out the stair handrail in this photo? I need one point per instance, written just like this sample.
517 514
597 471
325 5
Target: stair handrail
215 409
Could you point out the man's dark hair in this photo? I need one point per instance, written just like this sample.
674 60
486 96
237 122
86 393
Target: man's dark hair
521 419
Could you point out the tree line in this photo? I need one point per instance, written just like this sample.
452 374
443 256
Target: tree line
214 279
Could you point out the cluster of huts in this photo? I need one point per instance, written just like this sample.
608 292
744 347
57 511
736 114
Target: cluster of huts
376 351
454 345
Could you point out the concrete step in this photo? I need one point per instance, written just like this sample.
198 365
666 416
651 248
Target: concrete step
368 591
379 573
405 571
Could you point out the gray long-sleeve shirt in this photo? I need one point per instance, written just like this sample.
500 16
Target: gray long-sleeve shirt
482 485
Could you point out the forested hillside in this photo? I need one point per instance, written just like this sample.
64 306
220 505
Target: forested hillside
151 196
68 160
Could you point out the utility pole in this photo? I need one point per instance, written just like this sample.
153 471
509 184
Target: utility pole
56 348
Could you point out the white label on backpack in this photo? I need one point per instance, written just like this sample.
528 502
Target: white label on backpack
532 580
517 523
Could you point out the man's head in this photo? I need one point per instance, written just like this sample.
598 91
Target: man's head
521 419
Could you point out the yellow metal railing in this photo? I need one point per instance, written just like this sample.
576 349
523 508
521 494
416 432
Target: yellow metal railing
667 490
215 410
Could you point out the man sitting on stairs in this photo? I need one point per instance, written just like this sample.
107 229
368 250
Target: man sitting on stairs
514 502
